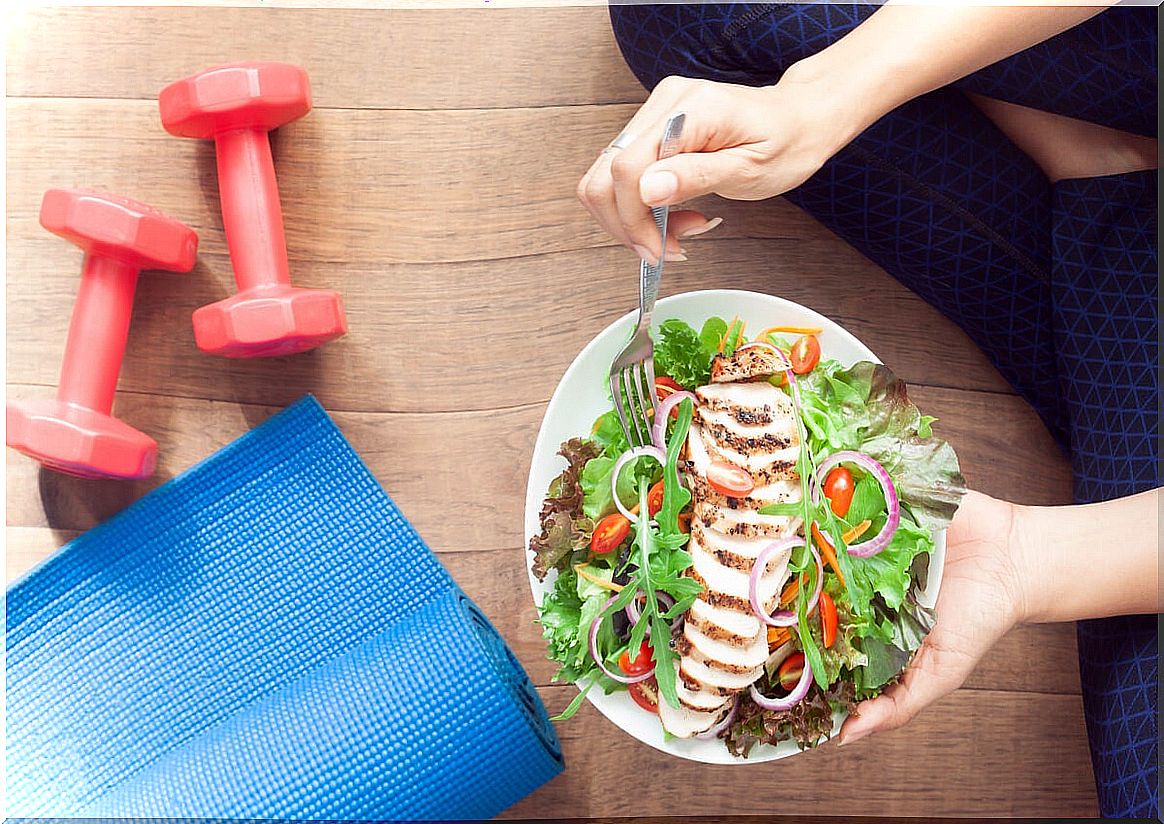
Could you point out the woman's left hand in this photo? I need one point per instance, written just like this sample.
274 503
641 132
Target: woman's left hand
983 596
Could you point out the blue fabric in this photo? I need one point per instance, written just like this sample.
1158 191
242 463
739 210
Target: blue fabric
264 636
1057 283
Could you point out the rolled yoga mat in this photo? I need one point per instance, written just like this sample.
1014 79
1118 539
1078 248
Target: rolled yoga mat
264 636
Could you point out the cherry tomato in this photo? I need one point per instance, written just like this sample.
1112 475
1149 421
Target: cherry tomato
838 488
664 386
805 354
790 671
828 619
642 662
655 499
729 479
646 694
609 533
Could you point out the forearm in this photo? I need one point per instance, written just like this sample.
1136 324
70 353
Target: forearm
902 52
1089 561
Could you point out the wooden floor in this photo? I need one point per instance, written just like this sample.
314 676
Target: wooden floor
433 186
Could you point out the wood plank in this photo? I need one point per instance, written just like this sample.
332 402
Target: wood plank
373 186
421 459
1035 658
974 753
420 58
435 337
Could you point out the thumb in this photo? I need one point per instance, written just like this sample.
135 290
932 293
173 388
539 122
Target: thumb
686 176
918 688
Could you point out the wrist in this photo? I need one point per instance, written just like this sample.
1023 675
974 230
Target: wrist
849 101
1022 546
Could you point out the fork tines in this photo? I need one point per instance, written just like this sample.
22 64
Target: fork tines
633 391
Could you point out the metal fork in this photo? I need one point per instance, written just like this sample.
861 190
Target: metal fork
632 375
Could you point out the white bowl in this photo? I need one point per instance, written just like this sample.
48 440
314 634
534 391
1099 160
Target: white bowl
582 396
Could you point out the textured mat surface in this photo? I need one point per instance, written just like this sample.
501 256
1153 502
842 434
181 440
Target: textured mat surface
264 636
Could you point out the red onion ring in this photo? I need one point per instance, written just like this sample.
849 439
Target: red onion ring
789 701
786 617
593 642
780 617
633 613
659 428
882 539
722 724
626 457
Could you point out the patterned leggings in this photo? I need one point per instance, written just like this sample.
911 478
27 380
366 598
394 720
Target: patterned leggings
1057 283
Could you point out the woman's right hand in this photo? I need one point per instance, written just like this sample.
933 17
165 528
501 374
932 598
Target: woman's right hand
740 142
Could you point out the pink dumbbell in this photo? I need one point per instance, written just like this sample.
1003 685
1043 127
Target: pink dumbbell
236 106
75 433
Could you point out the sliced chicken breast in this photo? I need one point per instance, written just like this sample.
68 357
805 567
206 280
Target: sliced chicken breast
747 363
724 644
684 722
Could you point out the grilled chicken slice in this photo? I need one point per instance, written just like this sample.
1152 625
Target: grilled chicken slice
731 657
760 401
745 523
747 363
685 722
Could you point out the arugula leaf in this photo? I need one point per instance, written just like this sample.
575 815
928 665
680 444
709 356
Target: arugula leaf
675 493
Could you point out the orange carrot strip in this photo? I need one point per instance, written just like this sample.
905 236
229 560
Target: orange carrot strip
594 579
790 330
856 532
826 550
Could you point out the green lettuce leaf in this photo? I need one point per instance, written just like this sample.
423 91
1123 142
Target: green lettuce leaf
684 355
562 534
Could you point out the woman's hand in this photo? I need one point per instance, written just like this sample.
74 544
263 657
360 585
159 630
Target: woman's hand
981 598
1007 564
741 142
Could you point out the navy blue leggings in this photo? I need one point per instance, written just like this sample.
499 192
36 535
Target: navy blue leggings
1055 282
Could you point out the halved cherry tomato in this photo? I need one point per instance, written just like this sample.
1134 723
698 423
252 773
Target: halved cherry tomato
805 354
641 663
646 694
828 619
729 479
655 499
609 533
838 488
790 671
664 386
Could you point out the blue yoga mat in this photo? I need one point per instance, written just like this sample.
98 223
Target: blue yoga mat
264 636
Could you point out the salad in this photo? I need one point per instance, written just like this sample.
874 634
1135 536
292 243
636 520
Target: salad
753 571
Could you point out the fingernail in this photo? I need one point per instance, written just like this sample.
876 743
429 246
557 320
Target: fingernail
645 254
855 735
707 227
679 256
657 187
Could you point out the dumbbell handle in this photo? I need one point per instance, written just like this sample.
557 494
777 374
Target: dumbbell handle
251 213
98 332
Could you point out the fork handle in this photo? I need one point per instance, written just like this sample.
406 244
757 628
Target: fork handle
650 276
